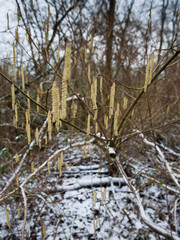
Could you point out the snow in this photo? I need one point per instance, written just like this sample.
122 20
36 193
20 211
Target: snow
66 207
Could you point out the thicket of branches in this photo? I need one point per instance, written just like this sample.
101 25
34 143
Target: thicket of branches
108 69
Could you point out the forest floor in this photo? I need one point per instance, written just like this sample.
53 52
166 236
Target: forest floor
88 201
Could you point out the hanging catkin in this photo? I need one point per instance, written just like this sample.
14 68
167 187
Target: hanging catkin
55 104
13 96
66 77
111 105
49 126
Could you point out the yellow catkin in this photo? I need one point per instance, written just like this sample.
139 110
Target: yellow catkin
65 79
125 101
17 158
7 217
15 74
18 211
62 156
66 166
85 54
16 114
106 122
58 53
94 197
27 117
103 196
22 75
88 124
9 71
151 68
94 93
89 73
32 167
94 96
74 110
39 143
44 230
37 100
147 75
16 35
49 126
7 21
84 152
92 49
55 104
29 133
28 128
14 122
37 135
13 96
116 120
111 105
17 180
14 55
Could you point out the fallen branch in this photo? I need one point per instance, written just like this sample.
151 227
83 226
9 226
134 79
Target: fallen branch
162 157
164 232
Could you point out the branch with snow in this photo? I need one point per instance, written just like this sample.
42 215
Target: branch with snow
148 221
162 157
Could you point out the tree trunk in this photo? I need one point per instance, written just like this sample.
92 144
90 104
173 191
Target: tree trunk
109 37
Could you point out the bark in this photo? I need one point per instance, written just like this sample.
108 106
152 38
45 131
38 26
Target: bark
109 38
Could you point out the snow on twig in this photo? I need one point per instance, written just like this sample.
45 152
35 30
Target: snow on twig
143 174
162 157
147 220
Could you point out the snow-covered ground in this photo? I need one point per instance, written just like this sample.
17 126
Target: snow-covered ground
86 202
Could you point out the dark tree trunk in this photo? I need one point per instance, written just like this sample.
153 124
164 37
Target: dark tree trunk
109 37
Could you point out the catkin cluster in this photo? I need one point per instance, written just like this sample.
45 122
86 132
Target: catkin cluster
55 104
